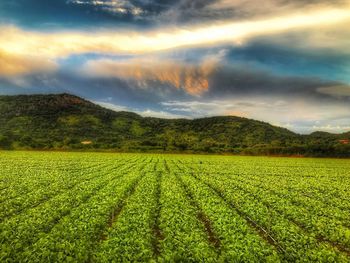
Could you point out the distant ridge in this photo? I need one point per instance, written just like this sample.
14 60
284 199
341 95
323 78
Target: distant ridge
68 122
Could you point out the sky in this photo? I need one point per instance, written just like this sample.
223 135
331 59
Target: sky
286 62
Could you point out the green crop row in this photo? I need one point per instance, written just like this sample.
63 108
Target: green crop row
98 207
297 244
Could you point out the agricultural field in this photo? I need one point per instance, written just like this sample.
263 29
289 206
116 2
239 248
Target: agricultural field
101 207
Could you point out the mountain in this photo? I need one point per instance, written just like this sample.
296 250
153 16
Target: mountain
67 122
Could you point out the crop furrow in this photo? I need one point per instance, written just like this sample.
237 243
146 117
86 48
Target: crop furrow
46 198
83 227
43 221
325 202
315 208
202 217
97 207
130 237
254 225
117 209
43 196
292 182
157 232
185 239
39 184
286 241
281 207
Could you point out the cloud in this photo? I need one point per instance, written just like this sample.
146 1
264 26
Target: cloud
144 113
242 107
148 13
328 39
193 78
288 60
13 65
331 128
47 47
112 106
294 103
213 11
58 44
336 91
300 115
249 7
122 7
230 80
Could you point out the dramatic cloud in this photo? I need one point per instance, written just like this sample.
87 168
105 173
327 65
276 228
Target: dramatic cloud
250 7
199 11
281 61
58 44
12 65
193 78
148 13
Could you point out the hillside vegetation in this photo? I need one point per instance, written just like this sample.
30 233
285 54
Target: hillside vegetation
67 122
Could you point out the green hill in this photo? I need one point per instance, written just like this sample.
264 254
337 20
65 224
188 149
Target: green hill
65 122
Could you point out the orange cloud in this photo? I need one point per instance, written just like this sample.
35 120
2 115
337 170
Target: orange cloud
27 51
194 79
13 65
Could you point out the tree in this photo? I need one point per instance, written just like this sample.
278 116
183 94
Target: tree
5 142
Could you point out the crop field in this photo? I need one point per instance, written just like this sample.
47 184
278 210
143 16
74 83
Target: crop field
100 207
